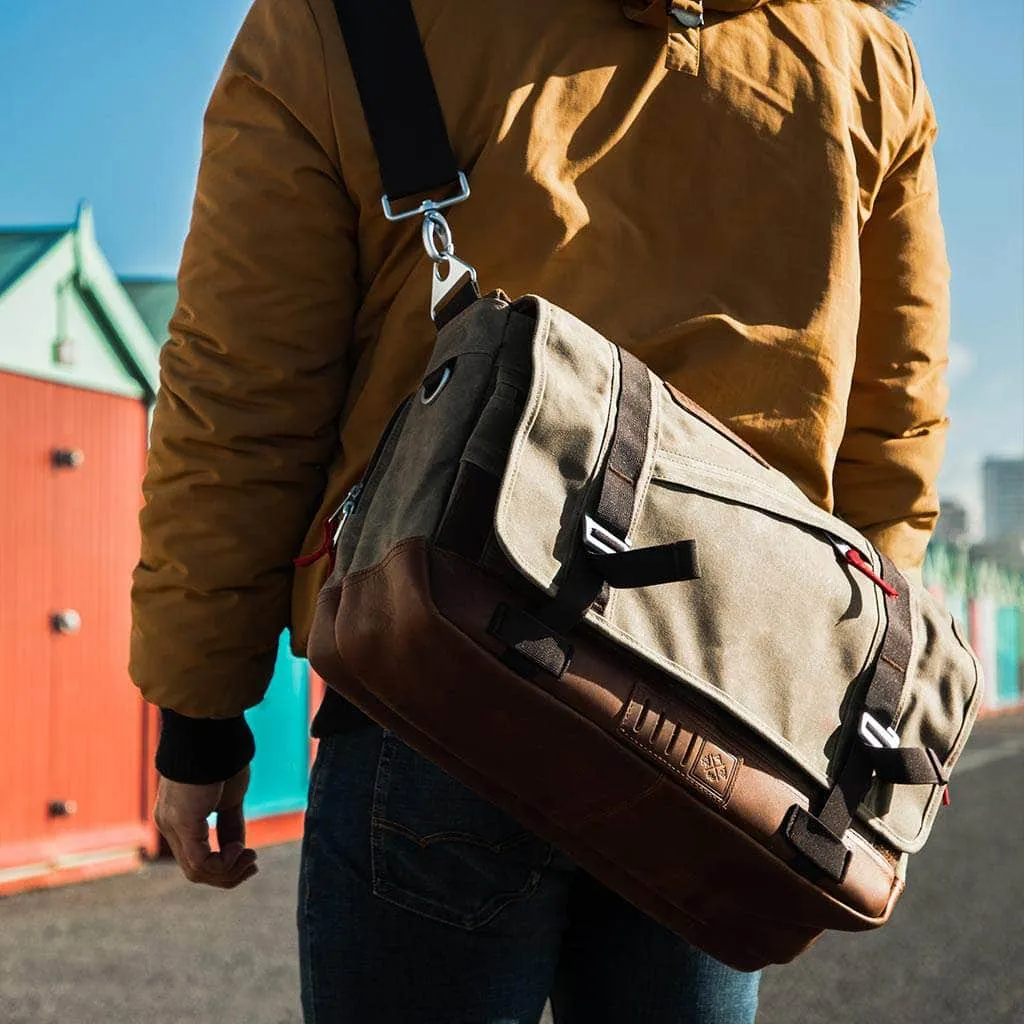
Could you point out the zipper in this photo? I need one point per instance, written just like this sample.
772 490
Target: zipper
334 524
846 552
854 558
345 510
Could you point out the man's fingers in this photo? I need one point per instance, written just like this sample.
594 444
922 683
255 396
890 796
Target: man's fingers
194 843
189 846
216 870
182 813
175 846
231 834
221 876
244 877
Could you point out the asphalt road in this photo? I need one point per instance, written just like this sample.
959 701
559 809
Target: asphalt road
150 949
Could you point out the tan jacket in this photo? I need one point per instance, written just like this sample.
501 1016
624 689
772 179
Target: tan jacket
750 207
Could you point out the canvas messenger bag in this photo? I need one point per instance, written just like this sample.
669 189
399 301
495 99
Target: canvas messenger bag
588 600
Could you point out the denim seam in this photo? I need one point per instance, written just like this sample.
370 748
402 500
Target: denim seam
469 922
381 783
325 754
423 842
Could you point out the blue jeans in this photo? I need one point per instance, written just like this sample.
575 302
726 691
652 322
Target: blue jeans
421 903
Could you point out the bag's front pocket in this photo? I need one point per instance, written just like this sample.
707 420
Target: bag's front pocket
442 851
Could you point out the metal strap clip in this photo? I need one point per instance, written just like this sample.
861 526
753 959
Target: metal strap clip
428 204
450 273
874 734
601 541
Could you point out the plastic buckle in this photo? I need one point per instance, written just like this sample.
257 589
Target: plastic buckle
601 541
427 205
874 734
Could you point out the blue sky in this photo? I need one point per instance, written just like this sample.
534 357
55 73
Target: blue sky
104 101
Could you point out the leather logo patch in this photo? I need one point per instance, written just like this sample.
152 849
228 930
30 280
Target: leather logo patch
715 769
663 731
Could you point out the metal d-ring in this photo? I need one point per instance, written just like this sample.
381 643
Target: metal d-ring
427 399
428 204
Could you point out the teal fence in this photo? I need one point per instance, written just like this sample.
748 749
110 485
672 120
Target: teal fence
280 771
988 600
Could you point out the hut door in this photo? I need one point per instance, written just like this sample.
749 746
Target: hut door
96 771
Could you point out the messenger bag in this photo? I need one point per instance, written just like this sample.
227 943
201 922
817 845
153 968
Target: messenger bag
585 598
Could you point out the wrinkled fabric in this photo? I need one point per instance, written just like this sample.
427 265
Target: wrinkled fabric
750 207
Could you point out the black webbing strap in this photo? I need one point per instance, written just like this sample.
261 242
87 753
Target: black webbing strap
398 96
583 581
629 445
819 837
882 700
531 643
908 766
591 571
648 567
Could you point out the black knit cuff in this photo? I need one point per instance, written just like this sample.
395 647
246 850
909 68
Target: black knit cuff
201 751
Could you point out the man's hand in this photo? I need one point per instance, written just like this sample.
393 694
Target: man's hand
181 813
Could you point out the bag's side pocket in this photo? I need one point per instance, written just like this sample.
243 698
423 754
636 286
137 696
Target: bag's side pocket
440 850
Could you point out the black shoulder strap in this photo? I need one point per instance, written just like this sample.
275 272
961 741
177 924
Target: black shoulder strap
398 96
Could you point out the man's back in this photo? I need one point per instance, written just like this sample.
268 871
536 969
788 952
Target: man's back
749 206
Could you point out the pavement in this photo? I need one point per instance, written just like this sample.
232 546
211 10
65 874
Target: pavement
150 949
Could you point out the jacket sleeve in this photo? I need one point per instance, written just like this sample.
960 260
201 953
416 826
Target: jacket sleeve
889 459
252 379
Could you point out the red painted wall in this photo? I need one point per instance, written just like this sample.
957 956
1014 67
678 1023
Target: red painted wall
72 726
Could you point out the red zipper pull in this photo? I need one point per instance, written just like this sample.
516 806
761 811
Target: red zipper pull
946 798
325 549
857 560
333 526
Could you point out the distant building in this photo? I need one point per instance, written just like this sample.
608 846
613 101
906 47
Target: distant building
1008 552
953 525
1004 499
155 298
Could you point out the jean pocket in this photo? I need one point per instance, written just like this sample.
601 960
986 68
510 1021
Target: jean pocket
440 850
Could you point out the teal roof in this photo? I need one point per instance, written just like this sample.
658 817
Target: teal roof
21 250
155 299
32 250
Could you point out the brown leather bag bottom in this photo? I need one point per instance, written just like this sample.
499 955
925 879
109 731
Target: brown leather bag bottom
607 762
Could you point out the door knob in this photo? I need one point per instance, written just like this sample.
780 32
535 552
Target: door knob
67 622
62 808
67 458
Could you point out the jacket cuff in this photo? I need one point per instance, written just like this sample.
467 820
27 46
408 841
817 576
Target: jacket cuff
202 751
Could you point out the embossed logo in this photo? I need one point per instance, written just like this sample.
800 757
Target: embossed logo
715 768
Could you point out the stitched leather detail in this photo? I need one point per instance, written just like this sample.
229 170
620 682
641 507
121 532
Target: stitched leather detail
652 725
